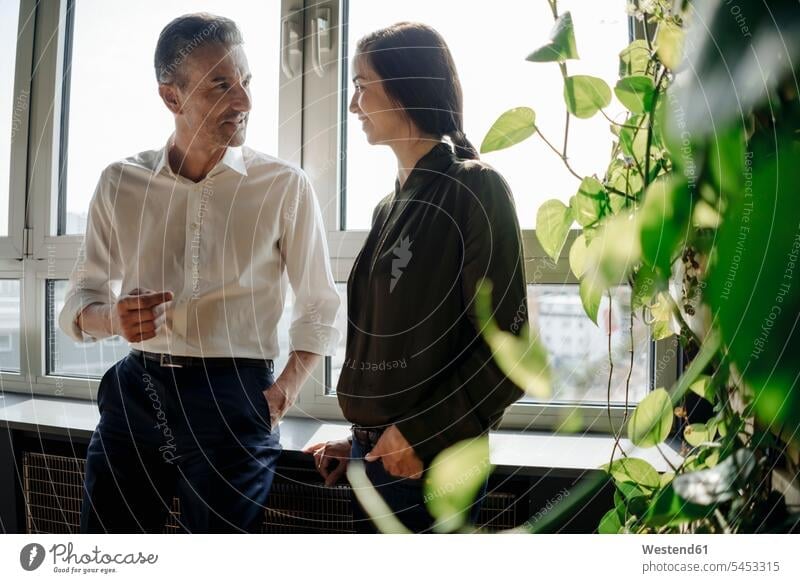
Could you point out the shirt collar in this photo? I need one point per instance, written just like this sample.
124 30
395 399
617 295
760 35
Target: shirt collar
431 165
233 159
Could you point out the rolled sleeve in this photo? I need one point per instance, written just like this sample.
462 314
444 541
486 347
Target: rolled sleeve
94 269
305 253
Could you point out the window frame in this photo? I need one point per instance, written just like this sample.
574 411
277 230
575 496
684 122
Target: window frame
307 102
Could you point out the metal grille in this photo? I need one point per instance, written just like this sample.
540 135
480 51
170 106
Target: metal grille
53 489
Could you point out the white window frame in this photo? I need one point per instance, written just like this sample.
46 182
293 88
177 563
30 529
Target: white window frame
307 102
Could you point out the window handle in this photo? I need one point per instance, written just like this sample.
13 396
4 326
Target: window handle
291 53
321 36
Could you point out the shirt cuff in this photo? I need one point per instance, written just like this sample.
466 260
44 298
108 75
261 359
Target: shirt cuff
316 338
68 318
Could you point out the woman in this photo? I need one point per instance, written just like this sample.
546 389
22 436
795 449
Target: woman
417 376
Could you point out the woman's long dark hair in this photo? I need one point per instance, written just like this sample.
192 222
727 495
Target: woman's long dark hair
419 74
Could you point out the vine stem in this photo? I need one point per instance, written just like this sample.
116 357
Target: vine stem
559 154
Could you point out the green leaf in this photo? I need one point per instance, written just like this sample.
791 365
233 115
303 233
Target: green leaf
651 421
635 471
562 43
708 350
586 204
667 509
754 281
664 221
646 286
634 58
591 296
511 128
635 498
586 95
717 484
553 221
661 318
636 93
577 256
669 44
633 138
697 434
702 387
616 250
610 523
724 57
522 358
454 479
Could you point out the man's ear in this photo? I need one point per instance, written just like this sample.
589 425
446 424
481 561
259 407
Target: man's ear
169 95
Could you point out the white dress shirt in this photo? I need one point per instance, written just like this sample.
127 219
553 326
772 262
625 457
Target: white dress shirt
224 246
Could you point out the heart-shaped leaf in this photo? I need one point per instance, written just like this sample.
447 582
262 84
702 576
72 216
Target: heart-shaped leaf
511 128
636 93
553 221
651 421
586 95
562 43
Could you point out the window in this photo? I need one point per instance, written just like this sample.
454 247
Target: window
112 106
91 99
13 105
578 349
66 357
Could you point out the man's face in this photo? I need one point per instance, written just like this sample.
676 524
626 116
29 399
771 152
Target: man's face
212 104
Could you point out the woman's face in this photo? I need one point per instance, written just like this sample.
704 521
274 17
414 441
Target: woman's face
381 119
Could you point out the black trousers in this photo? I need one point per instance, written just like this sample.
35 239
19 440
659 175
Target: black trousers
202 435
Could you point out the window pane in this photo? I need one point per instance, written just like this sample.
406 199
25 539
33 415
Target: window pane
578 349
13 108
66 357
114 107
489 42
9 325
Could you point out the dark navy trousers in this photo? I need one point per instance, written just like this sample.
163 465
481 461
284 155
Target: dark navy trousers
201 434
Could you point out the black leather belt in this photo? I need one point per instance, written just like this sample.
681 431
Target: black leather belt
367 436
172 361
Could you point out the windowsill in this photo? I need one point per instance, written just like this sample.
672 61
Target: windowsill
530 452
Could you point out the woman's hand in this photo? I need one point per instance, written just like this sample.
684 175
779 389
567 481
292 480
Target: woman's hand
397 455
328 453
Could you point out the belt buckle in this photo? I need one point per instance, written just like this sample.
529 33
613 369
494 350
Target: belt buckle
166 361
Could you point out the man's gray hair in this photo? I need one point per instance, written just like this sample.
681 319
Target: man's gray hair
186 33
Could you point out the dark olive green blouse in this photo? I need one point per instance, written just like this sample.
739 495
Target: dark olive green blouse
415 357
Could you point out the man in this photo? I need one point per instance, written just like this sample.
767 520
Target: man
199 234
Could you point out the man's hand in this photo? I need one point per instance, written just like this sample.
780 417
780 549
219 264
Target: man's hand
283 393
399 458
140 315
